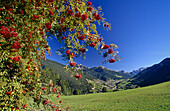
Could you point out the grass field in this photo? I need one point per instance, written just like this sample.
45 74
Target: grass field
152 98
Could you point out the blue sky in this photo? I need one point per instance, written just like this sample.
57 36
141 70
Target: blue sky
141 29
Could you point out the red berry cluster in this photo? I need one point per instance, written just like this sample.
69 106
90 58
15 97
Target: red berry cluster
8 32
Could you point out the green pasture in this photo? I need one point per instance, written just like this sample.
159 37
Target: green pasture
152 98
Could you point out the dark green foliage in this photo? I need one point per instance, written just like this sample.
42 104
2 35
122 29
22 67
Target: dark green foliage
76 92
65 88
115 90
104 89
48 74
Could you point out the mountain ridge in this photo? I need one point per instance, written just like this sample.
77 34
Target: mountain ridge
98 69
155 74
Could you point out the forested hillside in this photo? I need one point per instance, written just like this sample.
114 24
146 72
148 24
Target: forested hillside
54 71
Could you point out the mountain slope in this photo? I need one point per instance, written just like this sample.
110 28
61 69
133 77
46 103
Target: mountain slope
58 68
135 72
104 73
155 74
90 73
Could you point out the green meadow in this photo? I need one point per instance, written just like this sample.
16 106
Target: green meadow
152 98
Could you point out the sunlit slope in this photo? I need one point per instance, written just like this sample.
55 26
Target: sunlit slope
151 98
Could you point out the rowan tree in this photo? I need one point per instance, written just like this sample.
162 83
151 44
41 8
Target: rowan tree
24 28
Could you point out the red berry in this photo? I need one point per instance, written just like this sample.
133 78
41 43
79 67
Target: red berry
40 29
76 9
48 25
72 54
41 32
106 47
82 50
16 45
23 91
100 39
78 33
11 58
19 70
28 67
72 64
51 1
112 60
14 50
8 93
63 38
44 88
14 34
17 58
31 89
97 17
35 16
58 95
78 15
81 37
60 101
24 106
90 9
89 3
50 13
84 17
25 83
110 51
16 108
70 12
67 52
92 44
47 49
95 14
78 76
62 19
51 85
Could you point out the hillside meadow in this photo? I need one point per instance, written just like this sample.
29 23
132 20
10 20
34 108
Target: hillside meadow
152 98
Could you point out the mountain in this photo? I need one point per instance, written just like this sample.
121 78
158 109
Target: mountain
90 73
58 68
135 72
52 69
105 74
155 74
